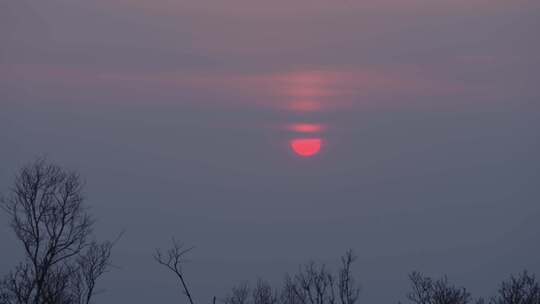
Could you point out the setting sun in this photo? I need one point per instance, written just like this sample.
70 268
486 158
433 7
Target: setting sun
306 147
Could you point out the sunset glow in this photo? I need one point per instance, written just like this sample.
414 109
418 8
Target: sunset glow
395 141
305 128
305 105
306 147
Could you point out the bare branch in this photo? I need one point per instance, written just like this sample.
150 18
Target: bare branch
173 260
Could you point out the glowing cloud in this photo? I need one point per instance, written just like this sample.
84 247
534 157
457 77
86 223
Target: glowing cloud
305 128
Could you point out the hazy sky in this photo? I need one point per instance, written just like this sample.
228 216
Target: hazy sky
180 116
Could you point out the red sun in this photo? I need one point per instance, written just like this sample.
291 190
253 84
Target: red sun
306 146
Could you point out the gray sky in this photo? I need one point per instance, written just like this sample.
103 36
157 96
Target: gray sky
180 116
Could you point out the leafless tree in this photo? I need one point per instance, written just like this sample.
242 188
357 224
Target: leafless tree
348 290
239 295
173 259
425 290
314 283
62 263
290 292
263 293
521 289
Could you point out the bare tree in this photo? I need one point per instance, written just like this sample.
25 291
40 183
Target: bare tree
315 284
312 284
521 289
289 293
348 290
62 262
92 265
425 290
263 293
239 295
173 260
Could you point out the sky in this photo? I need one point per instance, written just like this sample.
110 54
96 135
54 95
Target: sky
268 133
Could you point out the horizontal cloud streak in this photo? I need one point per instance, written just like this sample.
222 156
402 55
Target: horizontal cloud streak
329 88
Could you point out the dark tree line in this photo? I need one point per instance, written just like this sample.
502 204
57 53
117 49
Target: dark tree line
62 262
312 284
520 289
315 283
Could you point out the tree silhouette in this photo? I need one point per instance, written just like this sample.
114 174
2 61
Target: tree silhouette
263 293
348 290
521 289
425 290
239 295
313 284
62 262
173 260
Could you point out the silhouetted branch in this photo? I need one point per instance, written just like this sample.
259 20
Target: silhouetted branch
173 260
